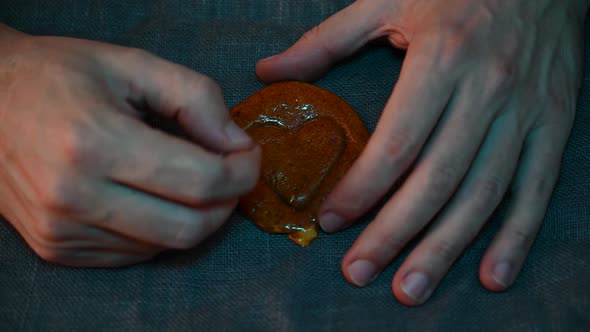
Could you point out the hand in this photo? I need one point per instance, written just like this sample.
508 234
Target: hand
484 105
84 180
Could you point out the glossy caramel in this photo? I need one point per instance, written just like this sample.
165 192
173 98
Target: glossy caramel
309 137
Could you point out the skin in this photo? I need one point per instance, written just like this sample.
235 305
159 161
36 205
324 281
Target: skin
84 180
483 107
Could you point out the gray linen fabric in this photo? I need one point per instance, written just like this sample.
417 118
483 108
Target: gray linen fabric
245 280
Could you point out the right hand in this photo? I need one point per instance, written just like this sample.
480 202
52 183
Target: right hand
84 180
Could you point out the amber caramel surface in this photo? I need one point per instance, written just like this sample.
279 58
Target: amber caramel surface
309 137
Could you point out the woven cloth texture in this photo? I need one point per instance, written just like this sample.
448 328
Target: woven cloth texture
245 280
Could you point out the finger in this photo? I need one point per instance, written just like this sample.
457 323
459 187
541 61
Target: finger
148 219
433 181
127 212
53 230
124 210
475 201
531 191
167 166
176 92
50 236
404 127
335 38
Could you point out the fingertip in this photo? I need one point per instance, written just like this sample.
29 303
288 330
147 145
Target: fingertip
269 58
237 138
221 214
264 69
331 222
500 266
399 294
342 207
412 288
360 272
489 283
497 277
274 69
293 64
402 297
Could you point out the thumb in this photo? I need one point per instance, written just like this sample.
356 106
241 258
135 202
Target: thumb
179 93
321 47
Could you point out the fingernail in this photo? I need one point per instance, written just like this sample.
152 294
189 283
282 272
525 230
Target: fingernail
415 285
330 222
236 134
362 272
503 273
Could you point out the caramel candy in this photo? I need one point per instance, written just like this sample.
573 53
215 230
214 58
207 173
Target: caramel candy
309 137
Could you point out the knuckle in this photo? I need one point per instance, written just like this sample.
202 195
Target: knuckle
219 171
199 87
193 231
446 251
60 194
392 244
541 185
562 106
79 144
207 185
454 28
311 34
400 149
196 195
138 54
488 192
523 238
442 179
502 74
557 102
204 85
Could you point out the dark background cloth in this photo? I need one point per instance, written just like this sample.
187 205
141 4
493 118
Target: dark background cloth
245 280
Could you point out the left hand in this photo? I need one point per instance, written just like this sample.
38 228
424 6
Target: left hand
484 104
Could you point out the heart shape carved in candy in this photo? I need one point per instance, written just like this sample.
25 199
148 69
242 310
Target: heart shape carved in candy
309 138
295 163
